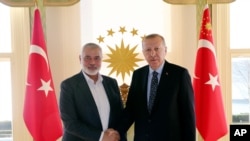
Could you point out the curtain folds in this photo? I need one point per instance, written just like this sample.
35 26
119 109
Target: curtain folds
29 3
195 1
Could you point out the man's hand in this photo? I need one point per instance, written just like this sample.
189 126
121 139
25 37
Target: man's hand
111 135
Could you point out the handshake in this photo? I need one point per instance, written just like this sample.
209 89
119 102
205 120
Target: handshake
111 135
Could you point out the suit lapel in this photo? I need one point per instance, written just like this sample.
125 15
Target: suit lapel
164 74
87 98
106 88
144 80
108 92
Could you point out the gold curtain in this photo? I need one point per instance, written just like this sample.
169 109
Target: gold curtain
29 3
195 1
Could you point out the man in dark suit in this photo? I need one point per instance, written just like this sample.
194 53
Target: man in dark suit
168 113
90 103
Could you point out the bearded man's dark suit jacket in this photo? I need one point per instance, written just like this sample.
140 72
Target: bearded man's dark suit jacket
79 112
172 117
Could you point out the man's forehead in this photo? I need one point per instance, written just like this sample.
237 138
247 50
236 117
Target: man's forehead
92 54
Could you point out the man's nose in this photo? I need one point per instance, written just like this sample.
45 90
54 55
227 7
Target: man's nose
152 53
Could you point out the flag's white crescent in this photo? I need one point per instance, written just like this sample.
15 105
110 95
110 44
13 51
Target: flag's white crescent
206 44
40 51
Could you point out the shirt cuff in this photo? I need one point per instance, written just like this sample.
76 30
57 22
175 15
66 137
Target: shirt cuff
100 139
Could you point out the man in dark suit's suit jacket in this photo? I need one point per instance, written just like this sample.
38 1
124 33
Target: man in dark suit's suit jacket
79 112
78 107
172 116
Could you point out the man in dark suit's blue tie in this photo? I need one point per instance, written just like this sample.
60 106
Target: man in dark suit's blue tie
153 89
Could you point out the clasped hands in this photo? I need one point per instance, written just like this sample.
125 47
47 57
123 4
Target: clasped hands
111 135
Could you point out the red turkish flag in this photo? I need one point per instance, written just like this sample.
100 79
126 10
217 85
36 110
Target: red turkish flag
41 112
209 110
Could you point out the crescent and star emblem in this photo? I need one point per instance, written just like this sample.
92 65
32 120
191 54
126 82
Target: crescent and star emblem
45 85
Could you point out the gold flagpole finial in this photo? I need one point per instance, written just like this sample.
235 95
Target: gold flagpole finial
36 4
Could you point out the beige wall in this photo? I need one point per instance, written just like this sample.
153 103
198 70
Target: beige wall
63 41
184 41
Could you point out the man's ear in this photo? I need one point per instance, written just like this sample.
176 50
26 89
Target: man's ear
80 58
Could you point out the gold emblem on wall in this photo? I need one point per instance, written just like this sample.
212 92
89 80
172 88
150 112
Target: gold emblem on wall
123 57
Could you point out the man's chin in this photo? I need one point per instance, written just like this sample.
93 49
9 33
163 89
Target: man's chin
154 65
91 72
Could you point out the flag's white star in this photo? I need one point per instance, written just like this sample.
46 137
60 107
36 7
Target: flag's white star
45 87
213 81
